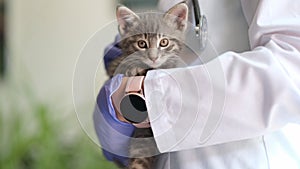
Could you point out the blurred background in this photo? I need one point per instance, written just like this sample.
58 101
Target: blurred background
40 41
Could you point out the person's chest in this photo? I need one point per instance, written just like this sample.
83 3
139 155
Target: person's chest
227 26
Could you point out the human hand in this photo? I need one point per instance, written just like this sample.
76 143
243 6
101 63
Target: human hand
117 98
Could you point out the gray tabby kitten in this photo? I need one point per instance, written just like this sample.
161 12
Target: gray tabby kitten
148 41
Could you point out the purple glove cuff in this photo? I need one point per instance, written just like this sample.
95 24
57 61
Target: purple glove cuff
112 51
114 135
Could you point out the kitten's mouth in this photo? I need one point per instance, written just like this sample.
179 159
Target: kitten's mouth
154 65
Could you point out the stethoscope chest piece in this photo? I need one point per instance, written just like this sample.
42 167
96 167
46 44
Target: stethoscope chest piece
200 25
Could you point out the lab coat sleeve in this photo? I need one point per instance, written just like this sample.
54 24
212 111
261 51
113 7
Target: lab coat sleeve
237 95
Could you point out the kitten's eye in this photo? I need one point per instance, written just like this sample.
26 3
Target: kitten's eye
164 42
142 44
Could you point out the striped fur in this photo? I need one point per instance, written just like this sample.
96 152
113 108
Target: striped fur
150 28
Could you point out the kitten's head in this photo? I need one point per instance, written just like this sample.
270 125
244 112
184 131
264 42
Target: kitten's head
153 40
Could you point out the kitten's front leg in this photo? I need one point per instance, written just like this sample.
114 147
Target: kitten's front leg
143 149
137 71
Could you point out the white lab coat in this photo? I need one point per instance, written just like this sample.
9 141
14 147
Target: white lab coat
242 109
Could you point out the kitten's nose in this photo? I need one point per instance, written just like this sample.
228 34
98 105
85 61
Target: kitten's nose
153 55
153 58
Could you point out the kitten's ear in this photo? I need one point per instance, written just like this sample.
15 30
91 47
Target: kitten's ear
126 18
179 15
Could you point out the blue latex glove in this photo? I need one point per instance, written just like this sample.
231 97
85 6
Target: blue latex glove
114 135
112 51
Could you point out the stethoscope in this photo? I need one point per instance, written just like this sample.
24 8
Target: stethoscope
200 24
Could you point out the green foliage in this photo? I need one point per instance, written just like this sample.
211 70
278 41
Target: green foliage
41 142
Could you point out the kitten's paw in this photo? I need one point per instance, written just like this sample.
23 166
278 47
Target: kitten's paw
136 72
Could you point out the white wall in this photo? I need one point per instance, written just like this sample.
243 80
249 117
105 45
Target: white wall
45 38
